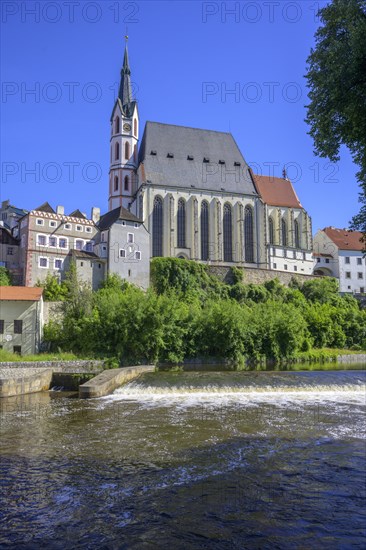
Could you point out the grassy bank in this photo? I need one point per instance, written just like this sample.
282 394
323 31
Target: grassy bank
7 356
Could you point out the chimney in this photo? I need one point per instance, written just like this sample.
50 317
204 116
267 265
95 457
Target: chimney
60 210
95 214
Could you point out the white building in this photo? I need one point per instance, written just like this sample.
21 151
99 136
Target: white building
338 253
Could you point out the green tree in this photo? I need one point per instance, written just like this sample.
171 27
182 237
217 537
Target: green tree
5 277
53 290
336 76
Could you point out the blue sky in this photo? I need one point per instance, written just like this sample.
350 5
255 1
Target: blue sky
185 58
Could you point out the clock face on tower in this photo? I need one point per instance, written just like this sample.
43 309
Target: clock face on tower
127 127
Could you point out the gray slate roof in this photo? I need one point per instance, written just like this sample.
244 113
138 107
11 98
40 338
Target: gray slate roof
178 171
112 216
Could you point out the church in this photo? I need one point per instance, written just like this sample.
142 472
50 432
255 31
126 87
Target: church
197 196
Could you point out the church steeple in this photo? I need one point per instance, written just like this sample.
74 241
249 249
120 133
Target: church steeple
124 142
125 93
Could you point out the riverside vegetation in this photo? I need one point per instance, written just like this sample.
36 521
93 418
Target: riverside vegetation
189 313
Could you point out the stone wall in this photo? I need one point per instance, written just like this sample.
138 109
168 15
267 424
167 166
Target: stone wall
258 276
352 358
27 381
73 367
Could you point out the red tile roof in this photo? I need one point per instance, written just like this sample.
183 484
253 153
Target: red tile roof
276 191
345 239
21 293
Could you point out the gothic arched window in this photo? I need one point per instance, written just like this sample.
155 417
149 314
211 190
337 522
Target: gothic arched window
116 125
157 229
297 234
204 230
248 234
116 152
135 153
228 233
271 231
181 219
127 150
126 183
284 232
116 183
135 126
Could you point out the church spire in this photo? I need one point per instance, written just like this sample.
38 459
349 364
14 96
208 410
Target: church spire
125 93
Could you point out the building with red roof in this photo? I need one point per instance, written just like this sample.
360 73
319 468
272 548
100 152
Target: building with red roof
339 253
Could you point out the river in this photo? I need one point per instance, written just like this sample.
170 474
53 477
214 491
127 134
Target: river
201 460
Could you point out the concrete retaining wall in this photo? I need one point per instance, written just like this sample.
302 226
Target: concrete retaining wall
30 383
352 358
73 367
107 381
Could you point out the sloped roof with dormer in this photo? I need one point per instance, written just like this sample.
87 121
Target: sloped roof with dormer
180 156
345 239
114 215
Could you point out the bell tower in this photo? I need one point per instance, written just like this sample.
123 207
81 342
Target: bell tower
123 142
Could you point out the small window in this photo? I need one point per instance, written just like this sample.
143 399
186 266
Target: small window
127 150
79 244
52 223
347 260
10 251
130 238
81 263
62 243
123 223
58 264
126 183
79 228
88 229
348 274
190 157
206 159
18 326
360 275
153 153
318 260
99 266
129 272
359 261
89 247
362 290
17 349
52 241
1 326
274 266
170 156
237 164
122 253
43 262
42 241
137 255
221 162
104 248
295 267
68 226
136 224
327 260
116 183
349 287
285 266
39 222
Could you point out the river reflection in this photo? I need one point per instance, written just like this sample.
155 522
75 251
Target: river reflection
194 460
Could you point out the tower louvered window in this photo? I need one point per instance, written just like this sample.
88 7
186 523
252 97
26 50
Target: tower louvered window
284 232
271 231
181 233
117 151
297 234
204 230
157 229
228 234
116 183
116 126
248 234
126 183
